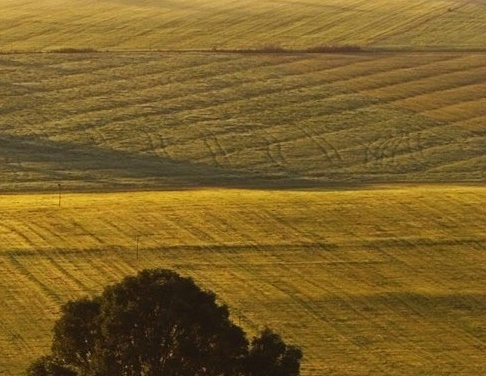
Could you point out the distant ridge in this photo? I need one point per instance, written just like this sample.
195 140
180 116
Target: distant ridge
237 25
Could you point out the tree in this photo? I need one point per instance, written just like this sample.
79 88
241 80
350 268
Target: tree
48 366
270 356
76 333
158 323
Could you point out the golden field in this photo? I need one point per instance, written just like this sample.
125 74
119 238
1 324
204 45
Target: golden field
338 198
29 25
381 281
103 121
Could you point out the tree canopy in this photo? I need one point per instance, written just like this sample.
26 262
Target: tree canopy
159 323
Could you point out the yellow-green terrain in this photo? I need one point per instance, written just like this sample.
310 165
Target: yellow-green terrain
335 197
382 281
206 24
172 120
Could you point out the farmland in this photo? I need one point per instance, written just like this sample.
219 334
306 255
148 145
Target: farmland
387 280
338 197
174 120
29 25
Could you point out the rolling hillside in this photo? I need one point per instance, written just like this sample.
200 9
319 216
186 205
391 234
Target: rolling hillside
131 120
383 281
336 197
29 25
174 120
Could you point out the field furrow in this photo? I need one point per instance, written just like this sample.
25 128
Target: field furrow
319 165
210 24
382 280
240 115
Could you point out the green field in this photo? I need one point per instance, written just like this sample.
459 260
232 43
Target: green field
337 197
385 281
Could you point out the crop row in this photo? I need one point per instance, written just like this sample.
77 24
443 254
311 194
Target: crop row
387 281
220 24
155 119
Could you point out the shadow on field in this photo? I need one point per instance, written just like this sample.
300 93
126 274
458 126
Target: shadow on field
37 164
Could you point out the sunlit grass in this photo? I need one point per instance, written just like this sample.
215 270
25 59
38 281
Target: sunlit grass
388 281
373 279
211 24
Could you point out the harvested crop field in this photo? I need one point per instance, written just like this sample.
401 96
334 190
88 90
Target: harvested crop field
387 281
171 120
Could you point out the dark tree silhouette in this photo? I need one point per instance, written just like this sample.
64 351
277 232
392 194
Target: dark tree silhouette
270 356
48 366
76 333
159 323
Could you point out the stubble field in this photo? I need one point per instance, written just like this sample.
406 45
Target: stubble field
338 198
29 25
384 281
172 120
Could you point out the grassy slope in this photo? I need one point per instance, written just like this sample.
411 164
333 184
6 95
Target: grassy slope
384 281
115 120
381 281
104 121
181 24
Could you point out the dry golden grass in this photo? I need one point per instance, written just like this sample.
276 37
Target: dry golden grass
29 25
170 120
386 281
